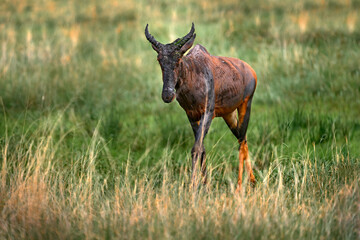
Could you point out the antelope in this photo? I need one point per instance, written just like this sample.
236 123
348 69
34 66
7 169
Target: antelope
206 87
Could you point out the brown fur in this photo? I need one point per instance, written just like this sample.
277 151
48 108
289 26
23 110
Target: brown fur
232 80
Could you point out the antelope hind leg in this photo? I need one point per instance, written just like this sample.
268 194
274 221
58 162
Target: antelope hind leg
238 126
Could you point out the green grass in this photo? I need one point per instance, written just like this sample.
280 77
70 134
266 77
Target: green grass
90 151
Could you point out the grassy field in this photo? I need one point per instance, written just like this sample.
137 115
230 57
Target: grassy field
90 151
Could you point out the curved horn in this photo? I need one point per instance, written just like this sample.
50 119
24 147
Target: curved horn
150 38
180 42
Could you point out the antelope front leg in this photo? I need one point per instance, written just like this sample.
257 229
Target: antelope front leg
198 152
200 129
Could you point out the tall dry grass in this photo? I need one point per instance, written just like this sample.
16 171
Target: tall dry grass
42 199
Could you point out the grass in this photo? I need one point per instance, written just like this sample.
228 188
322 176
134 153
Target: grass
90 151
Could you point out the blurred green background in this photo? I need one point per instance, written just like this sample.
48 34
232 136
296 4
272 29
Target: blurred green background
90 61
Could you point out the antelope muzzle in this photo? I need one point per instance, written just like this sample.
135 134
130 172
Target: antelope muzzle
168 94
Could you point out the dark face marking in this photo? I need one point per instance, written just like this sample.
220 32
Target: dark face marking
168 58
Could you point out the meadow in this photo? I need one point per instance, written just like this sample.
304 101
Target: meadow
90 151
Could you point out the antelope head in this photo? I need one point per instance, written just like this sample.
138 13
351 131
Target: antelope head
169 56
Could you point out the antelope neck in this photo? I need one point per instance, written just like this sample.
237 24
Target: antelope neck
180 73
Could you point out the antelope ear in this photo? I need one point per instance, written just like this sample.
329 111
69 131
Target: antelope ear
187 45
